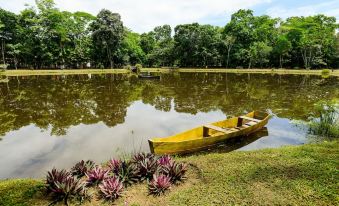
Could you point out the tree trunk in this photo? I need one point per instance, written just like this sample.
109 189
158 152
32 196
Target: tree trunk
280 59
3 51
228 56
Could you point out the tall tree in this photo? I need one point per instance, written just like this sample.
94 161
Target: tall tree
108 33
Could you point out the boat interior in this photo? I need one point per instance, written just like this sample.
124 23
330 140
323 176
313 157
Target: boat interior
227 126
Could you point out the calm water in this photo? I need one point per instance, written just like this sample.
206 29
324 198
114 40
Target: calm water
51 121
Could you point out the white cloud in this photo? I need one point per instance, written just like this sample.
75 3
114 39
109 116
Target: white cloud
146 14
330 8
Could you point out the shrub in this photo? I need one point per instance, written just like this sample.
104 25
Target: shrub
159 184
79 170
96 175
327 125
325 72
63 186
138 67
111 188
176 171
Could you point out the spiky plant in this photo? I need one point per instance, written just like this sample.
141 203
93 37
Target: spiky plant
146 168
128 173
159 184
63 186
142 156
96 175
165 160
111 188
176 171
79 170
114 165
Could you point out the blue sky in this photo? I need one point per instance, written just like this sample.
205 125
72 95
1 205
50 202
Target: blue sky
144 15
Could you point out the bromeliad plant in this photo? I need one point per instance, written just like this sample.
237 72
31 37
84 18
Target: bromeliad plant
111 188
147 167
79 170
114 165
63 186
159 184
96 175
176 171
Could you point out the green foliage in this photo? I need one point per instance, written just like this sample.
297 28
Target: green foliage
47 37
327 123
108 33
325 72
138 67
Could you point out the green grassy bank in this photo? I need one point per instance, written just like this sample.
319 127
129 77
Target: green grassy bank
294 175
164 70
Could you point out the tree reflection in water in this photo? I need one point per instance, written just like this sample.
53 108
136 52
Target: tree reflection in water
60 102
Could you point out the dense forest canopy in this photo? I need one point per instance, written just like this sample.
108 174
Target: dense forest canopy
45 37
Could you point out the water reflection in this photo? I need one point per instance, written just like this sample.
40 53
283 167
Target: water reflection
51 121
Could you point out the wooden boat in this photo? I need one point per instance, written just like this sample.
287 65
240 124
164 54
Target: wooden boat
148 77
210 134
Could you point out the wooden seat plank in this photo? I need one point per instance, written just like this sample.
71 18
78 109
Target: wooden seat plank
250 119
219 129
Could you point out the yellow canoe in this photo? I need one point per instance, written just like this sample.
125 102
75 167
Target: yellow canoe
210 134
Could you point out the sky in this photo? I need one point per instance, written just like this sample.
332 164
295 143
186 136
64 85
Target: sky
144 15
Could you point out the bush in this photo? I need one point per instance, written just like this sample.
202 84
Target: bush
325 72
138 67
159 184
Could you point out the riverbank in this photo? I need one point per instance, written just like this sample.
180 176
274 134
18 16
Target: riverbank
165 70
293 175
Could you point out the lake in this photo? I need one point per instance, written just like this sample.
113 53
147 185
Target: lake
55 121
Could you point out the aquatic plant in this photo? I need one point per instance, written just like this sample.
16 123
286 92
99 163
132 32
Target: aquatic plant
176 171
79 170
159 184
62 186
96 175
111 188
327 124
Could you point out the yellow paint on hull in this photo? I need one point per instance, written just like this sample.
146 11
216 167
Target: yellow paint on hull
205 136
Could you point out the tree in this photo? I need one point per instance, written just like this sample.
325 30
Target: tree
313 38
108 33
7 30
258 53
282 47
228 43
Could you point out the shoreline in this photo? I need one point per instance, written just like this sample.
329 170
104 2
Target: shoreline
304 173
11 73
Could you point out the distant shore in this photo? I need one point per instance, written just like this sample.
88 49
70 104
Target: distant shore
25 72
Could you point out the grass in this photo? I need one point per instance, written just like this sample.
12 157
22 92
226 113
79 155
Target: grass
293 175
165 70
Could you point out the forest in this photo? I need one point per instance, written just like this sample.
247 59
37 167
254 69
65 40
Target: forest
44 37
